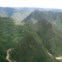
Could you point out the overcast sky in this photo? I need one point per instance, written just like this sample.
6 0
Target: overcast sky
32 3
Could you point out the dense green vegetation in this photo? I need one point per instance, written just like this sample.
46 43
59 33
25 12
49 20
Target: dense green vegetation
31 41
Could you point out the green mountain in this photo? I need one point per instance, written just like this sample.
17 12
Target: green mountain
48 26
27 43
31 49
39 39
7 36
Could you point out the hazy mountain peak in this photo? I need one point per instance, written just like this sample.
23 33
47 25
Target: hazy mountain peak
20 16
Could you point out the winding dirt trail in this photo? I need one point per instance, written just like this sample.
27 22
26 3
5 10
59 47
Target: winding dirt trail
8 56
57 58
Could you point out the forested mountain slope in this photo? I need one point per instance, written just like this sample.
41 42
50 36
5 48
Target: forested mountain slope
24 41
39 39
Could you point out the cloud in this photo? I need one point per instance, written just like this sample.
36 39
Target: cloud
32 3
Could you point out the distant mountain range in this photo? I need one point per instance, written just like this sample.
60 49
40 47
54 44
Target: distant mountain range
9 11
29 15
